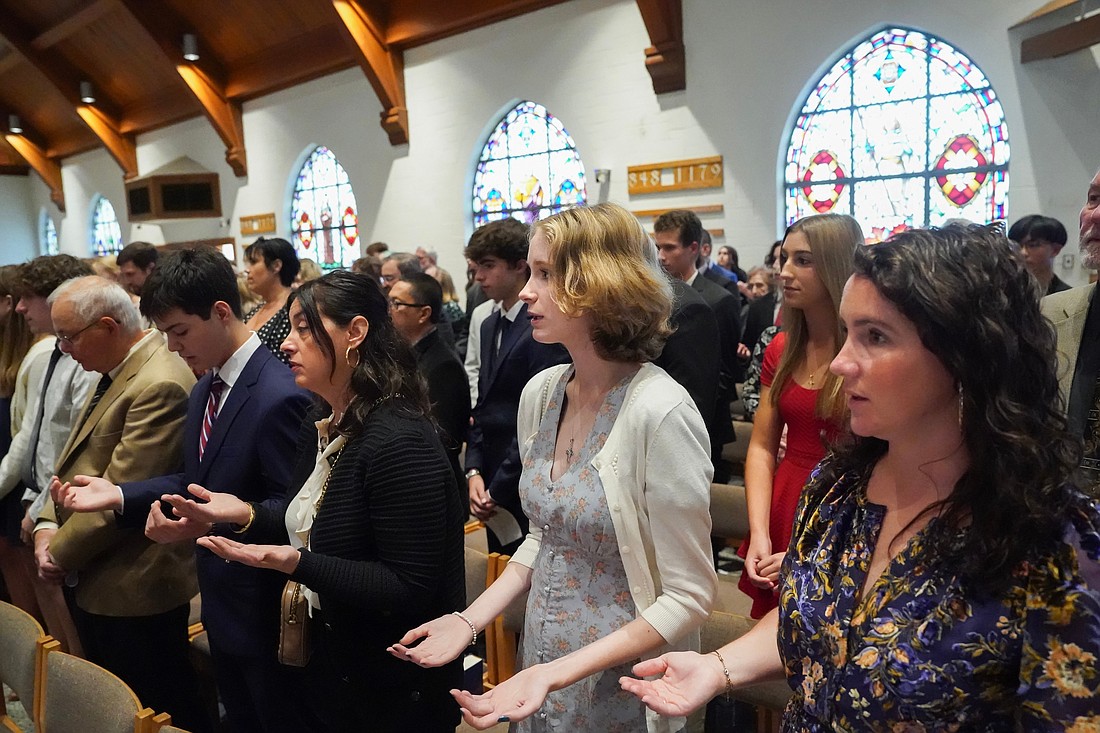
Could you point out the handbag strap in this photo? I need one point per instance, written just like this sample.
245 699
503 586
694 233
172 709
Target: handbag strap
324 490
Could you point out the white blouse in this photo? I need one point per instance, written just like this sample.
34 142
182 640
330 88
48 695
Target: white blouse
303 508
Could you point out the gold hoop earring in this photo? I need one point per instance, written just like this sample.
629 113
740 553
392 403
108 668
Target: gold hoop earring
347 357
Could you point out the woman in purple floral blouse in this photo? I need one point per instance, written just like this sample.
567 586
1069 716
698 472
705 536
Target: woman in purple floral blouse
937 576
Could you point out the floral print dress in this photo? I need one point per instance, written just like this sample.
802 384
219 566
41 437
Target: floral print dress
579 590
920 654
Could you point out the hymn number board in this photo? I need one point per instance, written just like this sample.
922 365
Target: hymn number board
675 175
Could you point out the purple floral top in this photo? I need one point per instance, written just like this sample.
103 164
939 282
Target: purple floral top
919 654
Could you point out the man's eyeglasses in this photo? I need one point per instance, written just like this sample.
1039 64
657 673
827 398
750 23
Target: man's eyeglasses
398 303
68 340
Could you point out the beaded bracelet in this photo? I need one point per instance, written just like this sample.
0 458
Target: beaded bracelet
726 672
469 623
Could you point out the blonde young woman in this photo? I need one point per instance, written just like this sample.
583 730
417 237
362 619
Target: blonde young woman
616 481
798 393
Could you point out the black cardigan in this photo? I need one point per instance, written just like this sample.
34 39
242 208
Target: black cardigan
386 553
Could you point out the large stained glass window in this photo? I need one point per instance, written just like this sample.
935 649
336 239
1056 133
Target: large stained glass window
47 234
529 168
904 131
106 233
324 223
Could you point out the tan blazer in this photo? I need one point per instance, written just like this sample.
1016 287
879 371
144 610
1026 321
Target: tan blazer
1067 311
135 432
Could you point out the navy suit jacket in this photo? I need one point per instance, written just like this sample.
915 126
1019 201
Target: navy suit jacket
251 454
491 445
691 354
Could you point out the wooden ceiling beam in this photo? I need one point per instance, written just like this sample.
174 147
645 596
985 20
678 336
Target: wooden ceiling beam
665 60
383 65
1063 40
122 147
9 60
224 114
205 78
65 80
74 23
44 166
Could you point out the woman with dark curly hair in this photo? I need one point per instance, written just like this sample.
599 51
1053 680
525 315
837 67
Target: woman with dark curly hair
374 518
935 577
616 482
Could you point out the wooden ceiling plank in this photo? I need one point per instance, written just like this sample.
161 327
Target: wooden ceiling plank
284 65
165 28
1061 41
224 114
9 61
417 22
122 148
384 67
74 23
665 60
48 169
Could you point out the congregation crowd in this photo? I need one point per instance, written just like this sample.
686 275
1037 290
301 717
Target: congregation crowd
920 478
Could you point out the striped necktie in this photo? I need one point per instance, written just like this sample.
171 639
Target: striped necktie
100 389
217 386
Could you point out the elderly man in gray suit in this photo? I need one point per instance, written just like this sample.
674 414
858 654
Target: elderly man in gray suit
1075 314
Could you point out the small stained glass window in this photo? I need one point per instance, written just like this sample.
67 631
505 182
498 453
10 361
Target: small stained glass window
47 235
529 168
904 131
106 233
324 223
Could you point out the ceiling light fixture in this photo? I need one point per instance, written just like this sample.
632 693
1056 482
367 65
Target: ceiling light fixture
87 95
13 125
190 47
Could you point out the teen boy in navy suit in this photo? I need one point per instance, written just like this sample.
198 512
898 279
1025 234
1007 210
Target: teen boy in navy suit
243 420
510 356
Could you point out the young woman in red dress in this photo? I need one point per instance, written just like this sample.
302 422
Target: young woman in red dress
798 393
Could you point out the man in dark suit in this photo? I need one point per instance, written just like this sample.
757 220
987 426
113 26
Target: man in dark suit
239 437
416 304
677 234
691 353
129 597
509 358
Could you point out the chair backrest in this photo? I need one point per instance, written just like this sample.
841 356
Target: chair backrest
729 513
477 572
20 639
81 696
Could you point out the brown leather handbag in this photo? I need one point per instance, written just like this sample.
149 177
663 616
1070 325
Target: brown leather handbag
295 643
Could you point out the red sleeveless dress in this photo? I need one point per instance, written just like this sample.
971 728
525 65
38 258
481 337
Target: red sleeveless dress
805 449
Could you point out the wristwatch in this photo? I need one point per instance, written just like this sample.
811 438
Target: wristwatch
472 472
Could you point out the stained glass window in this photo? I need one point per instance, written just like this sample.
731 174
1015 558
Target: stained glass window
106 234
529 168
904 131
324 222
47 235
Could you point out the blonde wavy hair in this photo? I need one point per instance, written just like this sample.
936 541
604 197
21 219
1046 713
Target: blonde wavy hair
833 241
603 264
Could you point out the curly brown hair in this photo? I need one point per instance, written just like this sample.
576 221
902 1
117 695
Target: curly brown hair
42 275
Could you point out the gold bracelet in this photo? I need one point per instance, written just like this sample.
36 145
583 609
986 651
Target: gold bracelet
251 519
726 672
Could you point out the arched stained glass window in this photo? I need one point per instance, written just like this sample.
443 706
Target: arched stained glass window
529 168
324 222
903 131
47 234
106 233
